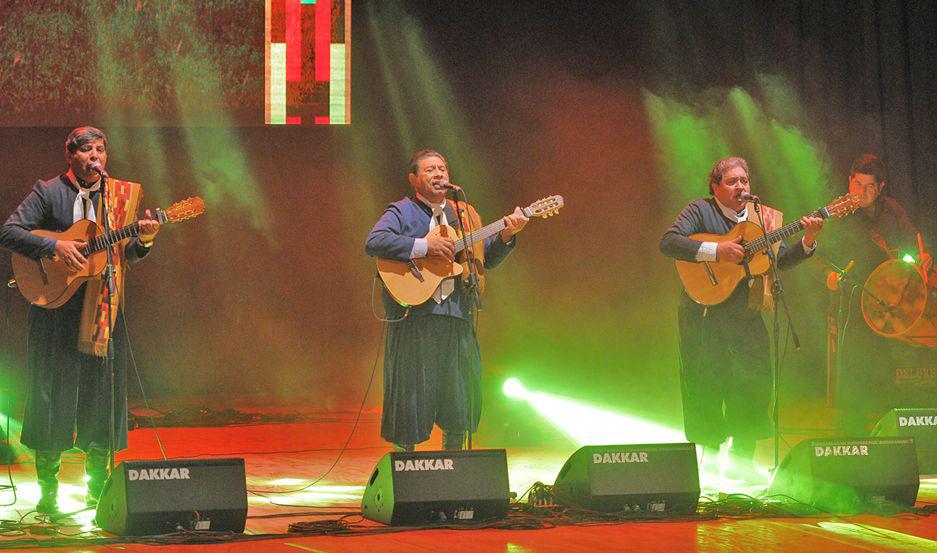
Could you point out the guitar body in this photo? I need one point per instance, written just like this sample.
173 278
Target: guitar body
403 284
48 282
712 282
413 282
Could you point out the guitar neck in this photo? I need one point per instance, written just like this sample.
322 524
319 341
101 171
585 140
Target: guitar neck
779 234
480 234
98 243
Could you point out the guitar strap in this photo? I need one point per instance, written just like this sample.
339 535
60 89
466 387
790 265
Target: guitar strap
123 199
759 296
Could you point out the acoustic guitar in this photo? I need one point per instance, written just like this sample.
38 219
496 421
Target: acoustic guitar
48 283
712 282
413 282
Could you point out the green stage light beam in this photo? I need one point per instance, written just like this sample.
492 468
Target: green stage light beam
220 161
424 103
767 125
587 425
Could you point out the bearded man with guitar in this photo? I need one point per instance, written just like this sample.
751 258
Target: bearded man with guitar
725 369
432 364
69 397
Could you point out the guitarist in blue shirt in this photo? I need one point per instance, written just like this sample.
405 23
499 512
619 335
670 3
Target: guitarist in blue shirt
432 363
725 370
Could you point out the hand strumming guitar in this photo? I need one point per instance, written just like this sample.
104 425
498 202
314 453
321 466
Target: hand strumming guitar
440 246
69 252
730 250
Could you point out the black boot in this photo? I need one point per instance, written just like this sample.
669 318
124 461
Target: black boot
453 441
96 471
47 469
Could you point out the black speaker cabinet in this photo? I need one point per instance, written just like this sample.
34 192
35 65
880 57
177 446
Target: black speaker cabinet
849 475
631 478
438 486
156 497
920 424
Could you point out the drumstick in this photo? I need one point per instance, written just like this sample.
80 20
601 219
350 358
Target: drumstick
920 247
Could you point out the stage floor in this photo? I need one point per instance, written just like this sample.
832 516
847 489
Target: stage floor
285 457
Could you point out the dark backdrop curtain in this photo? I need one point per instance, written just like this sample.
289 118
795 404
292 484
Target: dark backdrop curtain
866 71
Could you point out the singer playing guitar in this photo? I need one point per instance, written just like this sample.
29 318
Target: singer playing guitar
725 368
68 389
432 364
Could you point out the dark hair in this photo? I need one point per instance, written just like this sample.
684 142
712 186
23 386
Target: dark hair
723 165
415 159
869 164
81 136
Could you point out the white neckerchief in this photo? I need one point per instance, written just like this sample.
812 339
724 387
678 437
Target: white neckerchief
447 286
731 214
83 207
435 220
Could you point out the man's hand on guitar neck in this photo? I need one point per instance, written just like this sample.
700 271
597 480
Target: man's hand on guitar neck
513 223
69 252
440 246
812 227
730 250
149 226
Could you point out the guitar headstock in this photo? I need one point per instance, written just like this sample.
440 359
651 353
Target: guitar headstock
544 207
841 206
182 210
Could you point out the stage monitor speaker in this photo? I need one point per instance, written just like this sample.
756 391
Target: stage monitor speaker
156 497
411 488
631 478
920 424
850 475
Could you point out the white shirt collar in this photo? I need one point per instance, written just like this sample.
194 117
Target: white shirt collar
731 214
440 206
82 190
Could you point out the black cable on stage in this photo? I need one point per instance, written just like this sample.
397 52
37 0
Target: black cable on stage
206 416
11 486
280 452
9 464
374 314
364 398
522 516
136 372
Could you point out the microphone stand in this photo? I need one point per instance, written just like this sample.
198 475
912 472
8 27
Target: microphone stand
777 295
109 281
476 303
844 277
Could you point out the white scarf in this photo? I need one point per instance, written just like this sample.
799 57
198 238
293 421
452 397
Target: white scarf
84 206
447 286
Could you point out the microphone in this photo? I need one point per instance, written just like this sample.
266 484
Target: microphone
449 185
847 269
745 196
835 277
99 169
